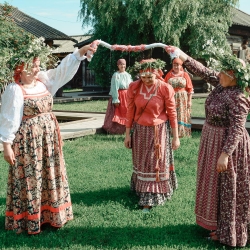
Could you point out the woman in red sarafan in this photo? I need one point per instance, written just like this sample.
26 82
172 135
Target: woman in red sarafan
183 88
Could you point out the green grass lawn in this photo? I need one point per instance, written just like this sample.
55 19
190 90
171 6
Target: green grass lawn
101 106
72 90
198 108
106 214
84 106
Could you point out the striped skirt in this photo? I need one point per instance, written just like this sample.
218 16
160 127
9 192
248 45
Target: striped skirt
153 178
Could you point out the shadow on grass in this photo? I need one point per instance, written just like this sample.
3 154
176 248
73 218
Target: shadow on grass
123 196
171 236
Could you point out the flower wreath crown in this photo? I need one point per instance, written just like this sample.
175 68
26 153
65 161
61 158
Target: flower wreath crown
147 64
18 46
241 72
219 60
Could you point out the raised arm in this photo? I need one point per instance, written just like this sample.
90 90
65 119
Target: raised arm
65 71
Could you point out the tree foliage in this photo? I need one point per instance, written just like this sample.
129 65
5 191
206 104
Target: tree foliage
185 24
18 46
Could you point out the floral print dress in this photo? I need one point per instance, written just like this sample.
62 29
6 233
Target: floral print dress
183 87
37 190
183 111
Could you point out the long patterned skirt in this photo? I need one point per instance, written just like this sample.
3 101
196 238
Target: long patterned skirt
233 226
114 122
144 178
37 190
183 114
207 177
223 200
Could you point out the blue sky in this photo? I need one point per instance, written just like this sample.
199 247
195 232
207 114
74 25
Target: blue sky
63 14
59 14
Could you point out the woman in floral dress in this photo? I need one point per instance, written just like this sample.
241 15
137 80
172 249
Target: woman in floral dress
183 88
37 188
114 122
223 174
151 111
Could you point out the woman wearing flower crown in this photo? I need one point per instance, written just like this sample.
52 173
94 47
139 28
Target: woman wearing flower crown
183 88
151 111
223 174
37 190
114 122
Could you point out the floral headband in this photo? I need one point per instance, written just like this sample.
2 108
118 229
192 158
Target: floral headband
223 60
154 66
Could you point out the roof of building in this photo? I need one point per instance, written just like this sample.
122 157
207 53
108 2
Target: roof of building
241 18
68 46
35 27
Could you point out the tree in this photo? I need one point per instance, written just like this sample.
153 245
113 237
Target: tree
186 24
18 46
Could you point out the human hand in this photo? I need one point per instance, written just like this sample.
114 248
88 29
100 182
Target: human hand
94 46
189 104
247 90
83 50
8 154
222 163
127 141
116 104
175 143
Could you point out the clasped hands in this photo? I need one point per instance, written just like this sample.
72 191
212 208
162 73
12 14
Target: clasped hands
172 51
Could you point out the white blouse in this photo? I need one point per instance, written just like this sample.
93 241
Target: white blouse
12 98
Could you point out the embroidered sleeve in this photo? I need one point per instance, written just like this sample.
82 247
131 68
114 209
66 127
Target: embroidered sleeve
11 112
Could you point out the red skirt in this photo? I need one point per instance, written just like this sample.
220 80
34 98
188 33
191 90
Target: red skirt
114 122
